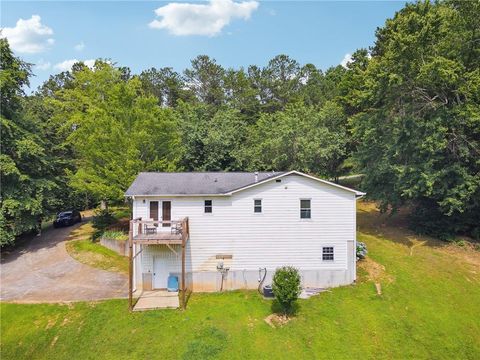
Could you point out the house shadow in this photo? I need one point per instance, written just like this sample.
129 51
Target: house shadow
392 227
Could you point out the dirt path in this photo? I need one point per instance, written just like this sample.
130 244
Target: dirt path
42 271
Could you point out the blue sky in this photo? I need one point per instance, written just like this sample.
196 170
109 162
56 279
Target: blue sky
236 33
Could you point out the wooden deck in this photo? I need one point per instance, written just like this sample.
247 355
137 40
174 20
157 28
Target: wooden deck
162 237
138 234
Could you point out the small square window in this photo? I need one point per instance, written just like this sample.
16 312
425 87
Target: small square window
208 206
327 253
305 209
257 205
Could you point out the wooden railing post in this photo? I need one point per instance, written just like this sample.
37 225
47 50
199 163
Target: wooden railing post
184 243
183 277
130 267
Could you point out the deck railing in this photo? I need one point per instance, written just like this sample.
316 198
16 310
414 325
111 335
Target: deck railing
160 229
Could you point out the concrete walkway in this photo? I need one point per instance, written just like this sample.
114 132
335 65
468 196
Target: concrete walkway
42 271
157 299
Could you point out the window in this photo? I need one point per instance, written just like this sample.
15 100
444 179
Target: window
208 206
327 253
305 209
257 206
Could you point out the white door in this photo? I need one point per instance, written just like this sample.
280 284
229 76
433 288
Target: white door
160 273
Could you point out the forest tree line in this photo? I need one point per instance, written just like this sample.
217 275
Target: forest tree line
404 113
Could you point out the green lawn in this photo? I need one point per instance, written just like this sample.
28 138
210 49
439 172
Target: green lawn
429 309
82 249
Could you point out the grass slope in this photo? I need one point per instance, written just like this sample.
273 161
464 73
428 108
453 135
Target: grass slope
82 249
429 309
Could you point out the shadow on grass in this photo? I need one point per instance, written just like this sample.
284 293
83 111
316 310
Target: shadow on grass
392 227
276 308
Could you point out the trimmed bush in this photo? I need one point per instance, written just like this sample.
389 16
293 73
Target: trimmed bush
286 287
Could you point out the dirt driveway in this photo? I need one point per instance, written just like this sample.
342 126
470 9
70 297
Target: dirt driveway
42 271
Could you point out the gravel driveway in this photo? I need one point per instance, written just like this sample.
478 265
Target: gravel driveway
42 271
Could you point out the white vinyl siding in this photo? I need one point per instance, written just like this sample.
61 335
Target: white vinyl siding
278 237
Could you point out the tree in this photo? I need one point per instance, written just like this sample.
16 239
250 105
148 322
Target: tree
278 83
211 141
205 80
165 84
30 189
300 138
241 95
115 131
418 131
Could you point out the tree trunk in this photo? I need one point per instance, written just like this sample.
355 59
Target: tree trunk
103 205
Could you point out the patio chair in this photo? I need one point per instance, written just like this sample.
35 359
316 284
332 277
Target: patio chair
176 228
150 228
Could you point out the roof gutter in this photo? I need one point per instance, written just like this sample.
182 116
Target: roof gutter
178 195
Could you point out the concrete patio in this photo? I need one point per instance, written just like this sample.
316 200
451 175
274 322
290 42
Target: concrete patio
156 299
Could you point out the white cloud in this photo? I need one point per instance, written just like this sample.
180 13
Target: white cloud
209 19
346 59
80 46
67 64
29 36
42 65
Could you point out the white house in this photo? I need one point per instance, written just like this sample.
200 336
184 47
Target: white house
220 228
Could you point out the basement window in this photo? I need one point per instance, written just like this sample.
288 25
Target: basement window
208 206
257 206
305 209
327 253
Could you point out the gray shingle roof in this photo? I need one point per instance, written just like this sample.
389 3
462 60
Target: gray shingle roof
193 183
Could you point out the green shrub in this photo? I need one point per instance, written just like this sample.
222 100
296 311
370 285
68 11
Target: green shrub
286 287
101 220
361 250
115 235
460 242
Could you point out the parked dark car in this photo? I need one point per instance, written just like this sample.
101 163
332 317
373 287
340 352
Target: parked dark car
67 218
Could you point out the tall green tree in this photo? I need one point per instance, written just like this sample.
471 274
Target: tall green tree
30 187
418 130
211 141
301 138
115 130
205 79
166 85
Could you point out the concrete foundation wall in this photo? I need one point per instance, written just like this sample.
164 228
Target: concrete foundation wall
119 246
210 281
